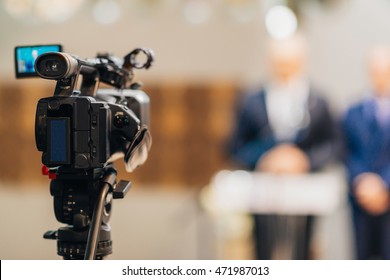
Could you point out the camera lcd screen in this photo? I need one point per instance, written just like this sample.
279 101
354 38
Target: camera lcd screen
58 149
25 57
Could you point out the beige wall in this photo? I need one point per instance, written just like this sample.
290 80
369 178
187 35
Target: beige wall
339 36
217 48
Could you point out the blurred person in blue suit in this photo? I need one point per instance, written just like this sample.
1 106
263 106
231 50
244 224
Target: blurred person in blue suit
285 127
366 128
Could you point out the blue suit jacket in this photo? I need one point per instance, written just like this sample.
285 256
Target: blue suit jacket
367 149
367 143
253 135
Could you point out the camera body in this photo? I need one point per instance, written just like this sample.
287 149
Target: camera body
88 128
82 132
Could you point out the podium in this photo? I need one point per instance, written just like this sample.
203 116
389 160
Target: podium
255 192
289 200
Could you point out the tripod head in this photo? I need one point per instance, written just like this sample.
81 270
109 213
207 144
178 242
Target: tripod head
83 200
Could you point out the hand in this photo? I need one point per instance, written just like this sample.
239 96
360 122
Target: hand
371 193
284 159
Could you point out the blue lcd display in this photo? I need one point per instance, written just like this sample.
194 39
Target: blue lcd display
25 58
58 140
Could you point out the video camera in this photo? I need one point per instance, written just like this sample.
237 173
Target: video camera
80 131
87 128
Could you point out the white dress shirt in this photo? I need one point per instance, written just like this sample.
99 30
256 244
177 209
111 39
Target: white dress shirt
287 108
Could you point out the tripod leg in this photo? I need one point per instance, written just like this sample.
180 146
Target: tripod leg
93 234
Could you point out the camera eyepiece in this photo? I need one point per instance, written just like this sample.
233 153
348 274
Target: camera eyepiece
56 65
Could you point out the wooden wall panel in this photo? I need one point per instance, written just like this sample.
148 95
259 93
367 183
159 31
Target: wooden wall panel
190 123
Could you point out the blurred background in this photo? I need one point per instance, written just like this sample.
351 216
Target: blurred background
207 51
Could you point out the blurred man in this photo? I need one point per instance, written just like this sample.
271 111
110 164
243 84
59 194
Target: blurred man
284 128
367 137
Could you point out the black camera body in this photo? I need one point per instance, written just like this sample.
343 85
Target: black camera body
89 128
82 132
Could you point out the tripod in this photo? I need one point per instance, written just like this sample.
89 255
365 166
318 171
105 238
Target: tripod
83 200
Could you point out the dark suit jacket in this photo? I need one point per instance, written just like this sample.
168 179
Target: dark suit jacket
253 135
367 144
367 149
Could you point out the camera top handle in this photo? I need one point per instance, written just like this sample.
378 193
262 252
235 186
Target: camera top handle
108 69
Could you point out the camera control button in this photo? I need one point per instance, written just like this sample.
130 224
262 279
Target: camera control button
94 120
54 105
119 121
82 160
